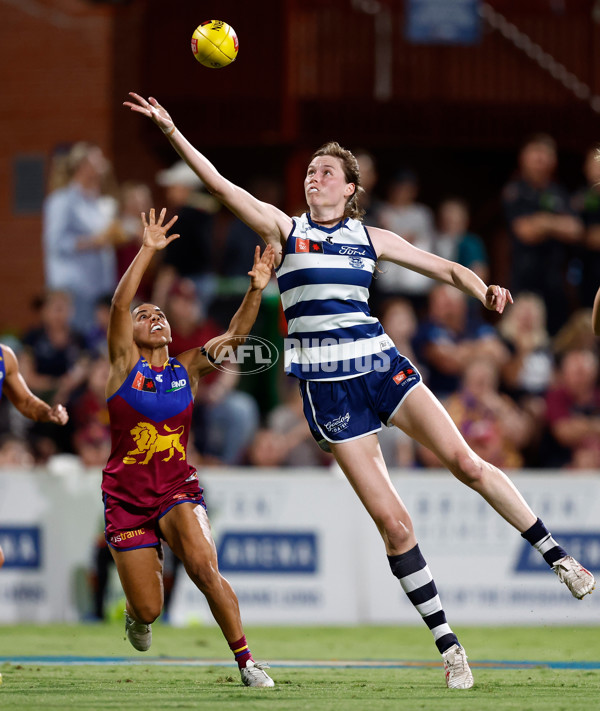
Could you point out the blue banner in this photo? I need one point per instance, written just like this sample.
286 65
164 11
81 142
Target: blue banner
443 21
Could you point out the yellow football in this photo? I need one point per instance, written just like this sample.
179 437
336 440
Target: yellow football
215 44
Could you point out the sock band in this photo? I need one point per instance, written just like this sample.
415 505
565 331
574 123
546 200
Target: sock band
541 539
241 651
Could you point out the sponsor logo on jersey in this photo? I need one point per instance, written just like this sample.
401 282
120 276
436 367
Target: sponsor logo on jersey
149 441
125 535
140 382
351 251
308 245
338 424
177 385
402 375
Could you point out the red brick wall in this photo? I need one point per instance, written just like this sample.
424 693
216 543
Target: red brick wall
56 79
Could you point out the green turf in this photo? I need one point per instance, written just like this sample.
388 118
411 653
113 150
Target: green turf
153 688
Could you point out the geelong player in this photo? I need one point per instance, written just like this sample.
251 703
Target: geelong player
150 491
351 375
13 385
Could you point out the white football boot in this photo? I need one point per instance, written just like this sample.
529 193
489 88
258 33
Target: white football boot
253 674
458 674
579 580
139 634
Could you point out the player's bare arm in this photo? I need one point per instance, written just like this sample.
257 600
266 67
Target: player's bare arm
596 314
19 394
200 361
393 248
269 222
122 350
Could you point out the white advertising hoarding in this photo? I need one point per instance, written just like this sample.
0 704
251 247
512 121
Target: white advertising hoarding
299 548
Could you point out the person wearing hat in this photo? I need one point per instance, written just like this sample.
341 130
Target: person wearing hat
192 257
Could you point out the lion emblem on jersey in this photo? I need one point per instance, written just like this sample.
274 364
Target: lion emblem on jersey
149 442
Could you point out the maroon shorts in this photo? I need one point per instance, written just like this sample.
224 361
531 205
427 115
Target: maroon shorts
128 527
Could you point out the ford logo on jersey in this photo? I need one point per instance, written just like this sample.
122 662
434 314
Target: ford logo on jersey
281 552
22 546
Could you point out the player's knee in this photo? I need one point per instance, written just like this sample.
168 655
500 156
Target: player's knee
1 557
395 532
468 467
205 574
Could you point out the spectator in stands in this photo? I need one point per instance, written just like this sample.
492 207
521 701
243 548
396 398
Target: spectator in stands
543 229
286 440
528 371
78 254
399 321
573 411
448 340
15 452
54 362
492 423
402 214
95 334
127 231
454 241
368 201
192 256
576 334
89 416
225 419
586 203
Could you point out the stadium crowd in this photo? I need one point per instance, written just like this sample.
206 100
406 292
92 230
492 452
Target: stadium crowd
523 389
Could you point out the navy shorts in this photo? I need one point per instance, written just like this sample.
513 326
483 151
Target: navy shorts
343 410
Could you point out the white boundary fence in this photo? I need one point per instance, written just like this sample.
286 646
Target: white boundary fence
299 548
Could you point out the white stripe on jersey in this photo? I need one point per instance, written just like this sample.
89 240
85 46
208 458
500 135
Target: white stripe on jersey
322 292
308 324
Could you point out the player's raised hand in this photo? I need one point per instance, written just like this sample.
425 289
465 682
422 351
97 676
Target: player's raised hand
58 415
153 110
262 268
155 233
497 297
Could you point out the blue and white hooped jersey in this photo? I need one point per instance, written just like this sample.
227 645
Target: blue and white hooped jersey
324 279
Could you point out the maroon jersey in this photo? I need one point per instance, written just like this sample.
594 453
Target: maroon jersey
150 419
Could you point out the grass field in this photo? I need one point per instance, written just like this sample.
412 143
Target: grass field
38 673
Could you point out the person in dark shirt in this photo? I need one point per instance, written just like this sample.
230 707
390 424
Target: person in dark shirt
542 227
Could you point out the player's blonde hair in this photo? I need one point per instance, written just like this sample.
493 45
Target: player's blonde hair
351 174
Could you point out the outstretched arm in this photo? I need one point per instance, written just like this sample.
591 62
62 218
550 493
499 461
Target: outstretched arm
390 246
266 220
198 361
23 399
596 314
120 327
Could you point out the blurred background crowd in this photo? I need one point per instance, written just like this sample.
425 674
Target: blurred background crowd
522 389
475 125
